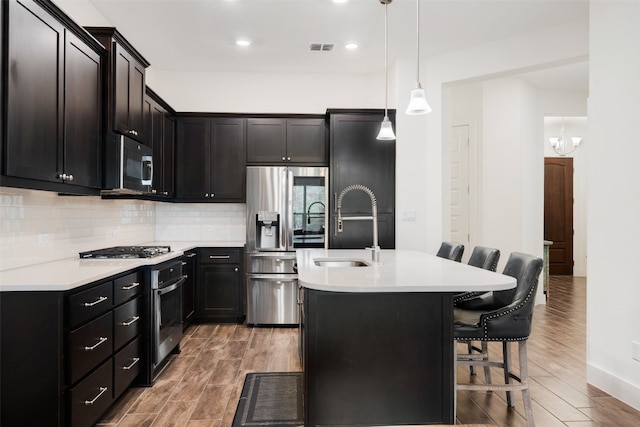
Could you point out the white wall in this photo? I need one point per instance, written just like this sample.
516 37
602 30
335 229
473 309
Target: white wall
613 207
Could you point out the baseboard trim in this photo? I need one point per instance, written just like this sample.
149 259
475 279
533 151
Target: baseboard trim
615 386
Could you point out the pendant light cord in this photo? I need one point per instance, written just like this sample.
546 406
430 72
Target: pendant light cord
418 41
386 60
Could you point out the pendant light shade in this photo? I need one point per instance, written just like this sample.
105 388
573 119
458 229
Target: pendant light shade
386 130
418 101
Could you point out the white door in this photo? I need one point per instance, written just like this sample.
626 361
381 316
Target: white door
460 185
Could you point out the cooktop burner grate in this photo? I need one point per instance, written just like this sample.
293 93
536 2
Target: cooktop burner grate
126 252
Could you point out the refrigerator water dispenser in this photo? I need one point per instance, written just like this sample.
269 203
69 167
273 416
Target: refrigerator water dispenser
267 230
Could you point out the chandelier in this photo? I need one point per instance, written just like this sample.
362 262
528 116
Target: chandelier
564 145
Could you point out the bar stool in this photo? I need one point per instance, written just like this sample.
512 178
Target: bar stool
452 251
481 257
508 323
486 258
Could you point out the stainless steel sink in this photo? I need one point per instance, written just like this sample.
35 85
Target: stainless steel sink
340 262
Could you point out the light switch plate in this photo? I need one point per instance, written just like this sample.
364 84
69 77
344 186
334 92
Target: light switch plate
408 215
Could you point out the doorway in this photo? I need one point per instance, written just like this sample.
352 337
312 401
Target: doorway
459 199
558 213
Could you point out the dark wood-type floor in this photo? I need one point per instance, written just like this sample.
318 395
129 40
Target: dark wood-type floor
200 387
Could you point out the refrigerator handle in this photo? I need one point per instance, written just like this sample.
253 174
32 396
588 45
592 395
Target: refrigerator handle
289 210
284 194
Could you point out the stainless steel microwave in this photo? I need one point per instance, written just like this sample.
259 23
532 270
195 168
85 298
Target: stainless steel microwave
128 166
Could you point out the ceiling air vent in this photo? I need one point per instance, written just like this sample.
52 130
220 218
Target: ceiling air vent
321 47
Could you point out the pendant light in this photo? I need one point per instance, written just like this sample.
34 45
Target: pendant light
418 101
386 130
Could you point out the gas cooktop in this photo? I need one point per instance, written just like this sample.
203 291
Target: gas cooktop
126 252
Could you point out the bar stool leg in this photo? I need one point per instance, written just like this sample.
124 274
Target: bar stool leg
506 357
472 369
487 368
524 380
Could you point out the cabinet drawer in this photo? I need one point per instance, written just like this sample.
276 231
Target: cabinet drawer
126 367
219 256
89 304
127 323
91 398
127 287
89 345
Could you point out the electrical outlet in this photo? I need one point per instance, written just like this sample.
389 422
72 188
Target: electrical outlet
43 238
635 350
115 231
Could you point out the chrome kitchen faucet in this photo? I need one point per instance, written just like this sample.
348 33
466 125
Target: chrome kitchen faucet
375 249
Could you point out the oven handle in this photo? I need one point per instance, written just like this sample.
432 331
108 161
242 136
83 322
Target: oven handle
171 287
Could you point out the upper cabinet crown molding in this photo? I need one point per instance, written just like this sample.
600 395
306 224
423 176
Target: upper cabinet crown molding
104 33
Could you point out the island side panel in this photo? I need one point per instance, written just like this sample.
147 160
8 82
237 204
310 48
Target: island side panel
378 358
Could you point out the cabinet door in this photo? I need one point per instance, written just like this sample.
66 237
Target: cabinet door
128 95
82 107
306 141
357 157
193 160
188 288
155 139
266 141
228 150
168 154
219 292
34 93
136 100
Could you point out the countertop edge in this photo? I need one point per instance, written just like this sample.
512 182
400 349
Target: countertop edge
71 273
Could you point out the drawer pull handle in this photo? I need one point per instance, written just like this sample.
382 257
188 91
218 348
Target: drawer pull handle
133 320
131 286
92 401
191 255
102 339
98 301
135 360
219 256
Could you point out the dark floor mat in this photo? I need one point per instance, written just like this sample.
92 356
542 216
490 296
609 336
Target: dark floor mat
271 399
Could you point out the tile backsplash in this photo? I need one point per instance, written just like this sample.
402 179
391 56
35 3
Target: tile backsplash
41 226
220 222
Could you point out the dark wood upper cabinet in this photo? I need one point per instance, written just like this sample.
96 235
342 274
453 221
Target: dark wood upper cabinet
83 109
210 159
53 124
275 141
357 157
160 128
124 83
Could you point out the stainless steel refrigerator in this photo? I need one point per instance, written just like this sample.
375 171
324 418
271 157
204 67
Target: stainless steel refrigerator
286 209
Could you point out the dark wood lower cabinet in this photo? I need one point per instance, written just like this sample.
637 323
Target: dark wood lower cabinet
189 287
378 358
67 356
219 288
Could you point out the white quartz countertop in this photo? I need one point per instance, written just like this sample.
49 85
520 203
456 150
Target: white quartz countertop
70 273
398 271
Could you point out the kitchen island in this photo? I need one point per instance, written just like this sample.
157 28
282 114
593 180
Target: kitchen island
377 339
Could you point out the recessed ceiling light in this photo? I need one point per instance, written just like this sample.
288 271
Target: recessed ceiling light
340 1
243 42
351 46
